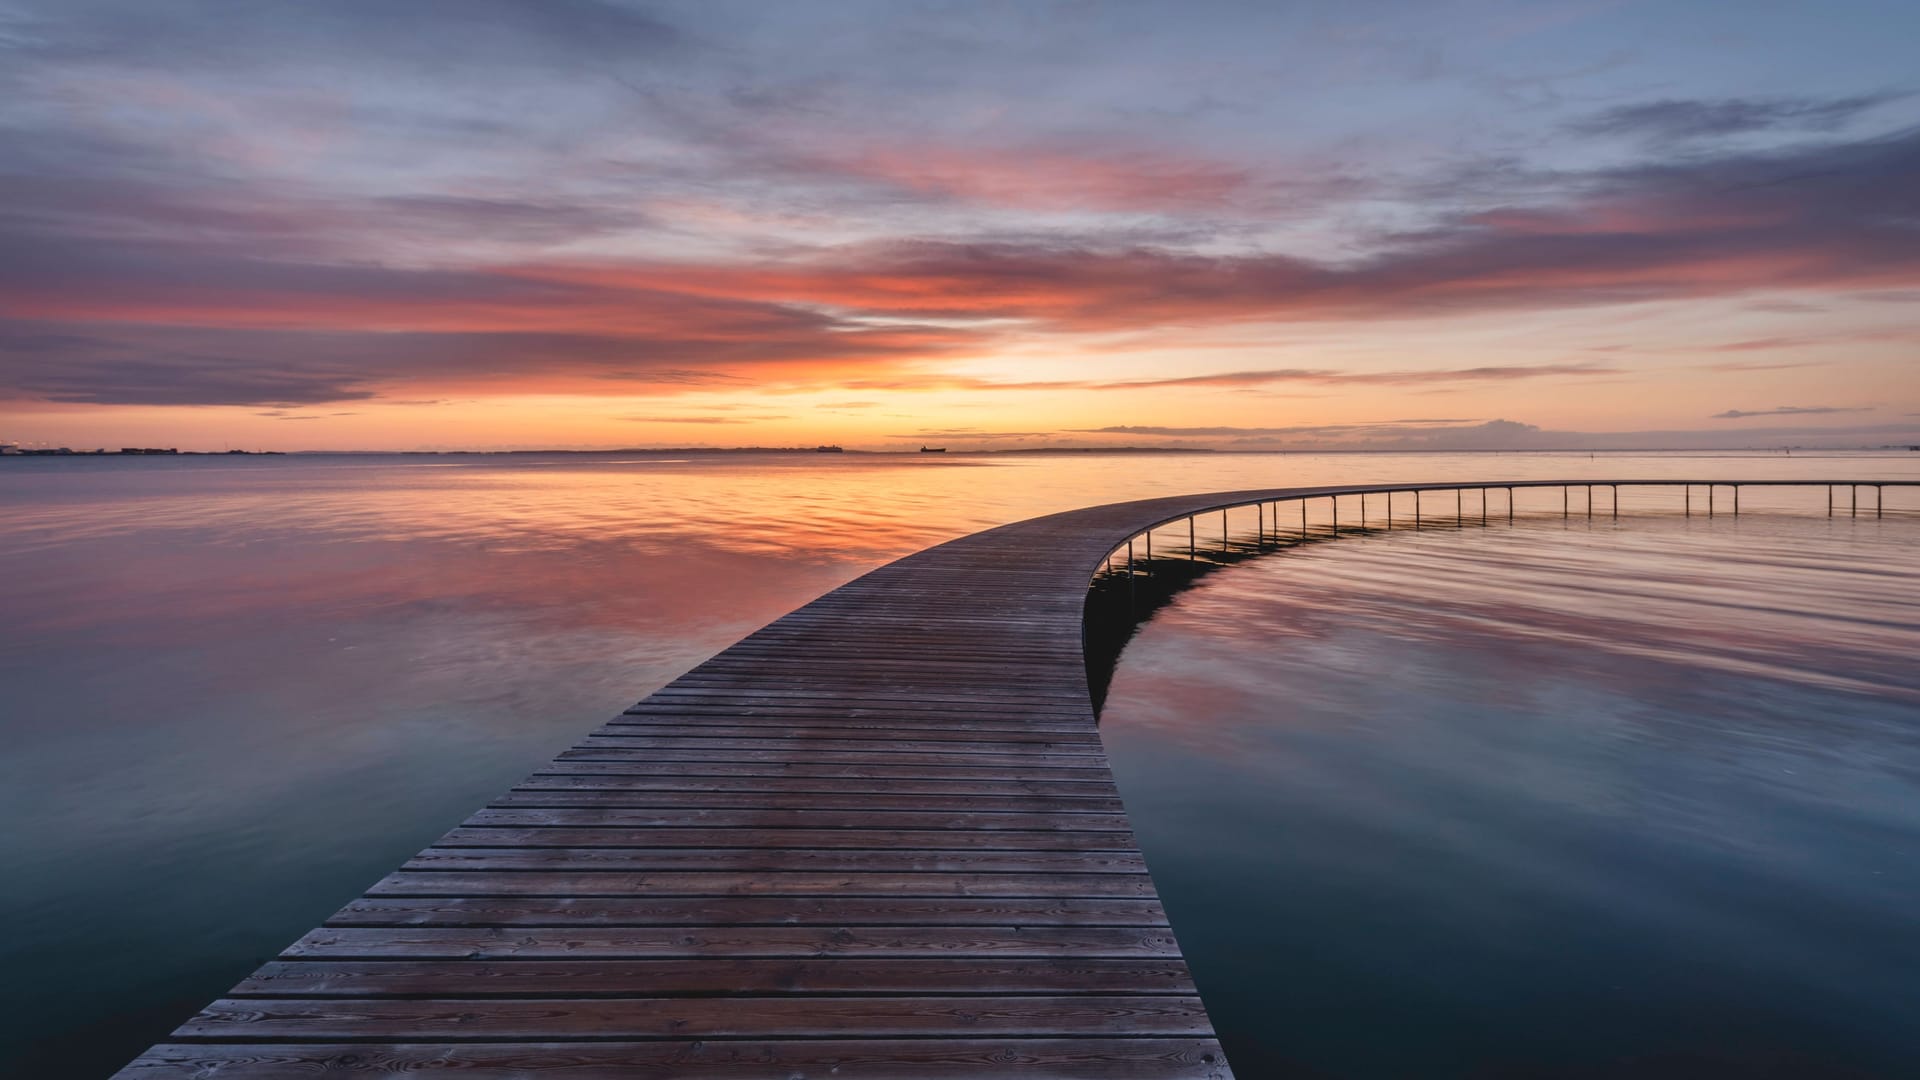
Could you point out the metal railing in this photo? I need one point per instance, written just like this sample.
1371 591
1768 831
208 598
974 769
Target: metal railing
1270 532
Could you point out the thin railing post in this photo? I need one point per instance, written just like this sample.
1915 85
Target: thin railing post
1483 506
1334 502
1563 502
1688 497
1509 506
1736 500
1709 500
1855 489
1459 508
1879 500
1389 509
1616 500
1416 508
1193 545
1225 547
1829 500
1303 519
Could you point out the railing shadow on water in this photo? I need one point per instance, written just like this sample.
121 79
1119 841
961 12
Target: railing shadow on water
1119 603
1135 582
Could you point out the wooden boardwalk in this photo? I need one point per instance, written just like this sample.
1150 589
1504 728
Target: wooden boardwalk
877 838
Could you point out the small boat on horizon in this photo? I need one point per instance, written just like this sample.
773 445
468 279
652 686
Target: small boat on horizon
933 449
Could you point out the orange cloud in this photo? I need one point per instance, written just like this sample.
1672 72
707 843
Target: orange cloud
240 327
1046 178
1241 379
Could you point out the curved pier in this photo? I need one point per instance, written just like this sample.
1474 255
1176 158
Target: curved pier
876 838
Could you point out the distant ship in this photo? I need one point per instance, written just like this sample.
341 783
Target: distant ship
828 450
933 449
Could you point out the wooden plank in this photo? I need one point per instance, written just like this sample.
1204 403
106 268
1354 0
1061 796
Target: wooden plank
1185 1058
760 718
715 977
891 739
870 689
578 943
1088 764
943 802
751 860
752 883
606 780
914 736
573 766
696 1018
705 684
489 832
868 715
574 911
690 817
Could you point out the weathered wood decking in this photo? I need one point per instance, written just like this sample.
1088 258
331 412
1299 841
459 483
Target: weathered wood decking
876 838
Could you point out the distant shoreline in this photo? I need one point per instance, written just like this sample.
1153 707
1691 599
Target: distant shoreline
723 451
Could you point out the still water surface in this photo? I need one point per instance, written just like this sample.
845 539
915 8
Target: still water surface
1634 798
234 692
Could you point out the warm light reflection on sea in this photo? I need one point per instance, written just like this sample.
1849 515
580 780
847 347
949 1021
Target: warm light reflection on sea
234 691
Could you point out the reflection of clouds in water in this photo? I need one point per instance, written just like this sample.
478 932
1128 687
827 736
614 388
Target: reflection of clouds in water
202 592
1645 793
256 684
865 508
1536 645
1836 609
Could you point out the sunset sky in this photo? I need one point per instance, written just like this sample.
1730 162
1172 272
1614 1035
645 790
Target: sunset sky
419 224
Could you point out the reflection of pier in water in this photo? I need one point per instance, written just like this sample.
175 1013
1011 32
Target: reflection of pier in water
876 838
1134 582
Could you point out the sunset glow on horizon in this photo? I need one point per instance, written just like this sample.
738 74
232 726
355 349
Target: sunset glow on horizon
576 224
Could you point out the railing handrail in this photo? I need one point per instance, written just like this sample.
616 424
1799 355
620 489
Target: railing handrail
1252 497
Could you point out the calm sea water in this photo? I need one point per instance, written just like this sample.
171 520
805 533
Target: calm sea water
233 692
1557 798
